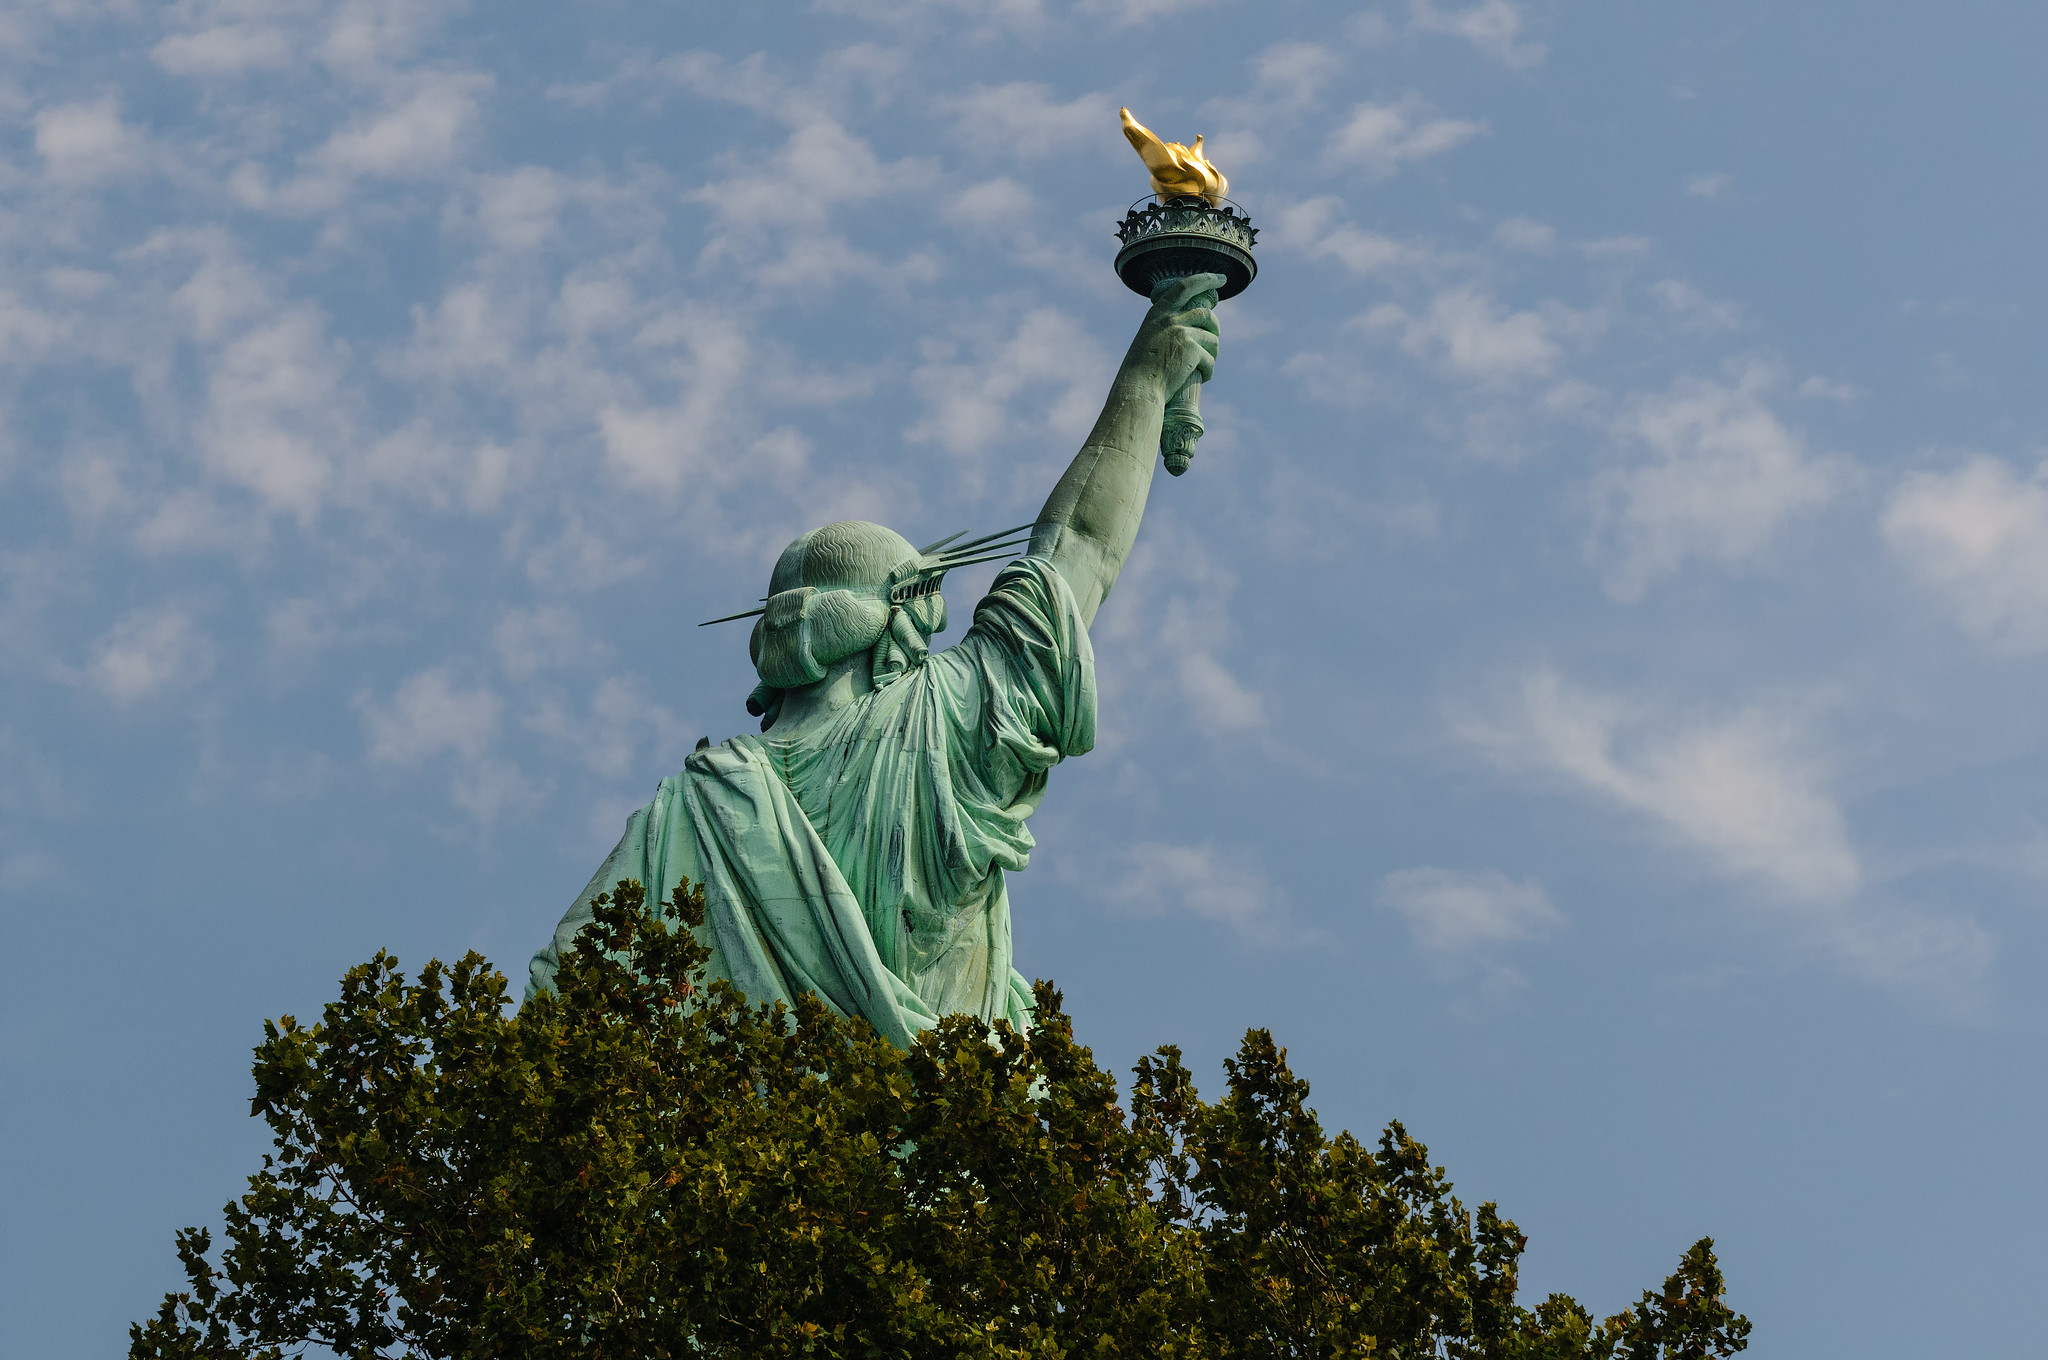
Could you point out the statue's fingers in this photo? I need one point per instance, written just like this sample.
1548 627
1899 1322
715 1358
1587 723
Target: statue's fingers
1201 351
1198 318
1174 294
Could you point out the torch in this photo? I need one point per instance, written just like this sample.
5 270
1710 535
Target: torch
1184 226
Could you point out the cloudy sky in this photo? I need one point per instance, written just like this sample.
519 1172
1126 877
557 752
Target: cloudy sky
1586 698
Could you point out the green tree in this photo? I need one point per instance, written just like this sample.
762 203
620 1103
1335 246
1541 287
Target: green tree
642 1165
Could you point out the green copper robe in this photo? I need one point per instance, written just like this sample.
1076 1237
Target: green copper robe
862 857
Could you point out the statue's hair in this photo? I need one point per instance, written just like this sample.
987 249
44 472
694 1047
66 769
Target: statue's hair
852 553
828 600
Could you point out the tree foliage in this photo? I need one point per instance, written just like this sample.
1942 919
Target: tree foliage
642 1165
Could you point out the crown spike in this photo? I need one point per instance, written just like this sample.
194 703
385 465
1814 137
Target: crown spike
931 548
951 564
988 538
959 553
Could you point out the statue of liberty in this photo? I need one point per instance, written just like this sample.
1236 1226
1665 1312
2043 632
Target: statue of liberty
856 848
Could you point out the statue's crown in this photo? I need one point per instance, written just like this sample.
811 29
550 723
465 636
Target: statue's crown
858 556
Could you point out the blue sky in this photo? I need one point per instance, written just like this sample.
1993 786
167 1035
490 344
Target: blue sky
1585 699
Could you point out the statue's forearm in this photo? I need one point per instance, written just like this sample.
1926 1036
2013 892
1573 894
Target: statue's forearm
1091 519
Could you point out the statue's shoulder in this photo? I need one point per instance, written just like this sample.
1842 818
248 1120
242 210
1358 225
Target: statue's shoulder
714 760
1032 580
1029 603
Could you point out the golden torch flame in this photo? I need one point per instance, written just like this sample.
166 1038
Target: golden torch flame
1177 171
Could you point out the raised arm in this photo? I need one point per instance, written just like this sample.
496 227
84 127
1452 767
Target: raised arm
1091 519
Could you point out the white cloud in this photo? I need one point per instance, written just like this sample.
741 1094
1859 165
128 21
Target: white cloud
1339 379
491 789
1527 235
434 470
844 77
706 436
986 17
1826 389
302 626
752 82
530 641
191 520
1615 247
366 38
223 50
26 334
1000 123
1978 537
1381 138
1472 336
1217 699
85 142
77 285
1710 187
474 329
1458 911
1497 28
149 651
1739 788
665 447
995 203
96 483
819 165
1308 519
521 209
1732 785
1290 73
1169 624
967 397
1229 888
1946 373
432 714
1726 477
1366 252
595 299
1312 227
582 558
1130 12
419 136
224 287
774 213
1694 308
425 125
277 413
1286 79
664 450
1946 957
28 870
620 725
1232 150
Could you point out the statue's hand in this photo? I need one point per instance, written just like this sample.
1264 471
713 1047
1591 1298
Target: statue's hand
1177 339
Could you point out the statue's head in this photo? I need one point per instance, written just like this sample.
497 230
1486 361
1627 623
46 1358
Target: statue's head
852 589
845 589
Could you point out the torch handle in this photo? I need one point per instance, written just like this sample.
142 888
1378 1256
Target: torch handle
1183 424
